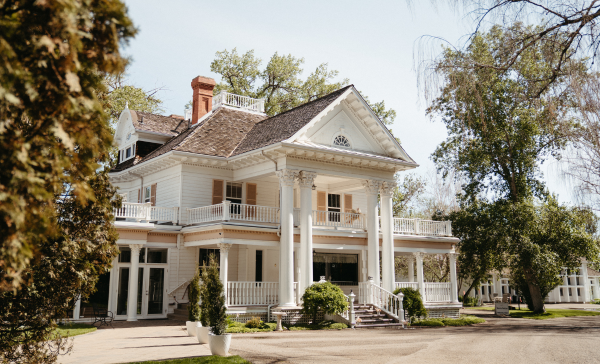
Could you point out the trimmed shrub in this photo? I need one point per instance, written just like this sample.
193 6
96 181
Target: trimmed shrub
326 297
214 298
254 323
203 298
412 302
194 297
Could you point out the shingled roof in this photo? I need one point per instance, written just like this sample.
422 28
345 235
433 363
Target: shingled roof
282 126
156 123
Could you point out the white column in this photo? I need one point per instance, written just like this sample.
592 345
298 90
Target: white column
453 280
224 265
420 277
411 268
372 189
306 181
596 287
387 233
77 309
286 245
133 282
586 282
495 283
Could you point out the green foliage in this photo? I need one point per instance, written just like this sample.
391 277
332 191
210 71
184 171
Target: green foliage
323 325
72 329
201 360
323 296
240 328
213 298
53 131
254 323
71 258
118 94
412 302
469 301
280 83
410 188
194 297
596 301
498 137
462 321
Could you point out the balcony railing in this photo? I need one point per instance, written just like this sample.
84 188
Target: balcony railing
338 219
227 211
242 102
422 227
147 212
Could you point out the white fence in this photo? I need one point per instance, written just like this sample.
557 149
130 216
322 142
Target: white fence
243 102
438 292
338 219
226 211
147 212
422 227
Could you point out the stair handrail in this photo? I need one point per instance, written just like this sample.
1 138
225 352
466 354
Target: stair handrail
386 301
179 286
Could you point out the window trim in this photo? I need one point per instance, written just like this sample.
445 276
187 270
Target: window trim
123 153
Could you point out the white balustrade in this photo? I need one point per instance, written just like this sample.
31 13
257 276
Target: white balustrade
242 102
226 211
205 214
137 211
422 227
385 300
338 219
158 213
438 292
413 285
252 293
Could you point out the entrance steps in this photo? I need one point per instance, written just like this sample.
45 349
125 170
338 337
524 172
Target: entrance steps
370 319
180 312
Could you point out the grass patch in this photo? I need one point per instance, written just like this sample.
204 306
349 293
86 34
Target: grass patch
200 360
462 321
550 313
324 325
73 329
240 328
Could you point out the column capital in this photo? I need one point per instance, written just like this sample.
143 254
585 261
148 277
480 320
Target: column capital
136 247
387 188
372 186
453 255
419 255
287 177
224 247
306 179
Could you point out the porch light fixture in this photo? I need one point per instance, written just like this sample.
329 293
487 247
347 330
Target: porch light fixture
314 187
314 253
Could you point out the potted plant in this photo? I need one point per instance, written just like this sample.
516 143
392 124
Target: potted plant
218 340
203 330
193 307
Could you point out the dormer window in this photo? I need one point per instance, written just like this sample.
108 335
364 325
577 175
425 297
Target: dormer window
341 141
127 153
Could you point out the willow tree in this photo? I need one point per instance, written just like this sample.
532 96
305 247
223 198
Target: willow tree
501 128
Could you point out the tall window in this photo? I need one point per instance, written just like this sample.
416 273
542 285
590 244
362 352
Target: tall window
259 266
234 192
334 205
205 254
147 194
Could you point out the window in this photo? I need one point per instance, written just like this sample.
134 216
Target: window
205 255
340 269
234 192
127 153
341 141
334 205
259 266
147 194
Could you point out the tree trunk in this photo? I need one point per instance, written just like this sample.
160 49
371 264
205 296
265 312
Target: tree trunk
537 301
469 291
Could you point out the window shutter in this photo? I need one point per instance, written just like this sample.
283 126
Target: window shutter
347 203
153 194
217 196
321 206
251 193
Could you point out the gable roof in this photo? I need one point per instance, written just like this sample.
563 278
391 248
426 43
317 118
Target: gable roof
282 126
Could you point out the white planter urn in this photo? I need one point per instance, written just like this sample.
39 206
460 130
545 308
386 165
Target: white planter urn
202 334
219 344
191 327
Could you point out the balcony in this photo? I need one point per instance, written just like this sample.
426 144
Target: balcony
404 226
240 102
147 212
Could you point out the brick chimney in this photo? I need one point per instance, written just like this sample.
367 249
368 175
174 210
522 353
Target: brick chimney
202 99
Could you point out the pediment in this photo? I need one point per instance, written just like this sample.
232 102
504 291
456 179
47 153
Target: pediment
125 131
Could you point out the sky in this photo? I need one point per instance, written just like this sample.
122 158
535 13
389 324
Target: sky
374 44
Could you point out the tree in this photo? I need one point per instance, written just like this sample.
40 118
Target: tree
214 298
324 296
53 131
498 135
280 83
412 302
71 257
407 193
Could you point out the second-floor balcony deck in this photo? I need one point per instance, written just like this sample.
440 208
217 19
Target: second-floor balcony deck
268 215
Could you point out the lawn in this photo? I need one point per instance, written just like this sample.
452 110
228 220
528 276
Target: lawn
75 329
462 321
200 360
550 313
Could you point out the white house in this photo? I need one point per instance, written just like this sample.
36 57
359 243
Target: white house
282 200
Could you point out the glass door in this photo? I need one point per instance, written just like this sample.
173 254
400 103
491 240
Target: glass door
154 292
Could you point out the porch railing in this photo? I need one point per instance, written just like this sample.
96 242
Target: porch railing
413 285
422 227
147 212
254 293
438 292
226 211
382 299
243 102
338 219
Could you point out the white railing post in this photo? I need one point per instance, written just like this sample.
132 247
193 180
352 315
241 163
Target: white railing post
351 314
226 210
148 211
175 215
370 292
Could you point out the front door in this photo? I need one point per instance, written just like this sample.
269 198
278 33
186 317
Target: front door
153 294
